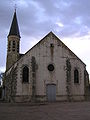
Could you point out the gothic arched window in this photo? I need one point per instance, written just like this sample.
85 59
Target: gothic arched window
76 76
18 46
25 75
13 47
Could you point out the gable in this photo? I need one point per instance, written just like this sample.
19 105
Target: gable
53 39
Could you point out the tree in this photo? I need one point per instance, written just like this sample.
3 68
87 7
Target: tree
1 78
1 75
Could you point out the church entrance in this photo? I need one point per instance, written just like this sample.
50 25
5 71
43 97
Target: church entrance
51 92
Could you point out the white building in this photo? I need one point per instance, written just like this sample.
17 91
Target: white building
49 71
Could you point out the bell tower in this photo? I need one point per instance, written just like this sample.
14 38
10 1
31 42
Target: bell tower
13 43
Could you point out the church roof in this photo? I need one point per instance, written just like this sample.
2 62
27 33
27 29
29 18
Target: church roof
14 30
63 45
52 34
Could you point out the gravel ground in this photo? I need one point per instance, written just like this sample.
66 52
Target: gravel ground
47 111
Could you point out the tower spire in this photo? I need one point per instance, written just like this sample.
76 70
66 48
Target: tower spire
15 7
14 29
13 43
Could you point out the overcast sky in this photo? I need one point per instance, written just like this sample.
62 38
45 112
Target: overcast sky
68 19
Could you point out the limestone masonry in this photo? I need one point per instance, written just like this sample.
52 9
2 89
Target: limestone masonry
49 71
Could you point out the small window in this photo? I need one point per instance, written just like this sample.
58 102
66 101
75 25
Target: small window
13 49
9 45
9 49
51 45
76 76
17 46
13 44
25 75
50 67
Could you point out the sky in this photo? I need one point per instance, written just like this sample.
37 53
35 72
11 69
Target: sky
68 19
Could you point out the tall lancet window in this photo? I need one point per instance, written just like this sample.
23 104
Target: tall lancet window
13 47
25 75
18 46
76 76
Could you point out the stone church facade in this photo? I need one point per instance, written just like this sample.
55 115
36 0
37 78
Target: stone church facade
49 71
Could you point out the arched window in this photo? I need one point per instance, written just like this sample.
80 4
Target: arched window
9 46
25 75
14 44
76 76
18 46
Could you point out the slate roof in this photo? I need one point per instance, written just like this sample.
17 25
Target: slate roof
14 30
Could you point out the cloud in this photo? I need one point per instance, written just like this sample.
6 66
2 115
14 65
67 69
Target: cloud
67 18
2 69
80 46
36 13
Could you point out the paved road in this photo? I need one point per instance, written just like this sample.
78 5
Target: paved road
54 111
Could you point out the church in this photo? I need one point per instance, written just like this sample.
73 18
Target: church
49 71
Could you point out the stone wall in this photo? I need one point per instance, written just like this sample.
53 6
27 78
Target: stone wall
10 84
49 51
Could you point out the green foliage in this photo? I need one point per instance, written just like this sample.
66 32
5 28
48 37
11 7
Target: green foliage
0 92
1 75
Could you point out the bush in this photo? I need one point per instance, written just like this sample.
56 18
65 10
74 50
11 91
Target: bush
0 92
